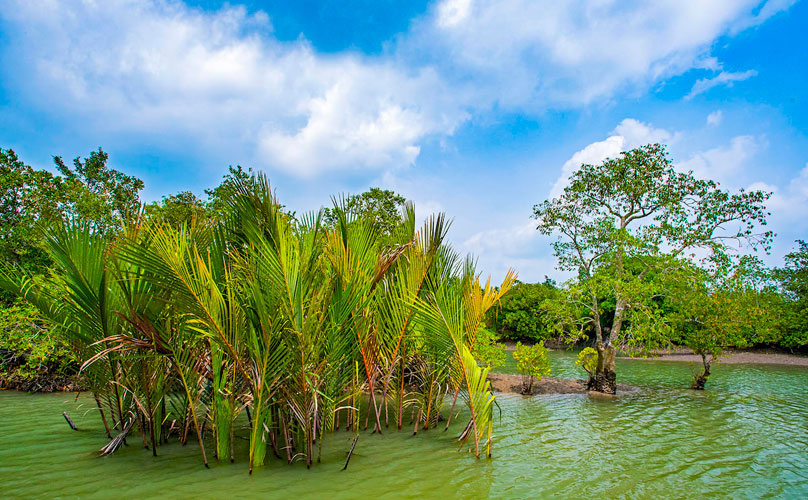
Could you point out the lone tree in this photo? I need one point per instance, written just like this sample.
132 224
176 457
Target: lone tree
622 224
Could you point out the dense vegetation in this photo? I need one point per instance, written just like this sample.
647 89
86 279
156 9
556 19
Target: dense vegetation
32 355
185 313
771 303
184 316
523 315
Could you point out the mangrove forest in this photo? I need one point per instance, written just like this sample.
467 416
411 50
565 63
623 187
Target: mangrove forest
253 334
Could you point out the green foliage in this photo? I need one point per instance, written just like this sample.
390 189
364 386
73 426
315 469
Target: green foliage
588 360
523 313
793 279
28 347
100 196
284 316
532 362
734 307
624 227
381 207
488 352
29 200
33 200
178 209
218 198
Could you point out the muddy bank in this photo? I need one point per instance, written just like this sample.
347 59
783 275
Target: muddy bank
760 356
502 382
40 384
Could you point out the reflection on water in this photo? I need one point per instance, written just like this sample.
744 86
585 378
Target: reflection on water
745 437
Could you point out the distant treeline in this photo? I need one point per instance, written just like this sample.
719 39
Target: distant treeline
773 303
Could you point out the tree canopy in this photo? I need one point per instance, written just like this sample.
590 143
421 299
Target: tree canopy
793 277
381 206
628 220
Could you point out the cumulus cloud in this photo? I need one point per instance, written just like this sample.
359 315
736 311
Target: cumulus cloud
791 203
501 238
788 205
534 54
222 79
629 134
723 78
724 163
453 12
517 246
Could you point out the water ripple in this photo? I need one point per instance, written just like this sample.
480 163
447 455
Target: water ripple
744 437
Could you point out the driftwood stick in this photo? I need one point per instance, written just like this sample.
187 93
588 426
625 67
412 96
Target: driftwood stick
118 440
350 453
69 422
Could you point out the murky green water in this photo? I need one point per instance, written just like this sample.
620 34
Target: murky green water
745 437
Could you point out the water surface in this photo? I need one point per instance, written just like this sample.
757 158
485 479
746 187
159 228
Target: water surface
744 437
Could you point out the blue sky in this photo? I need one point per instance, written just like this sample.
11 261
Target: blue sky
477 108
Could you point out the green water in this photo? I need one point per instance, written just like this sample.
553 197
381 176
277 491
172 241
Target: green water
745 437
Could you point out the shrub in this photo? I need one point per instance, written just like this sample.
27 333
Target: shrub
588 360
532 363
27 346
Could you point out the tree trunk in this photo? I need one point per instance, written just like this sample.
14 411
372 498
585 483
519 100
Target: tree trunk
700 379
605 380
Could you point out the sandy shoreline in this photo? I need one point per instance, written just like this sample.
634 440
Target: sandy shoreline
733 358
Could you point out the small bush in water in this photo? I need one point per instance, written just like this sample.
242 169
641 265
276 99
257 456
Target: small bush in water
532 363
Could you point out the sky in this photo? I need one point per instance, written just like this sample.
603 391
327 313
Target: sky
480 109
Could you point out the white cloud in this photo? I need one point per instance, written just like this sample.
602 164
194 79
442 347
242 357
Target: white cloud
221 79
357 124
506 238
637 133
534 54
629 134
517 246
453 12
724 163
714 119
789 204
723 78
799 186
